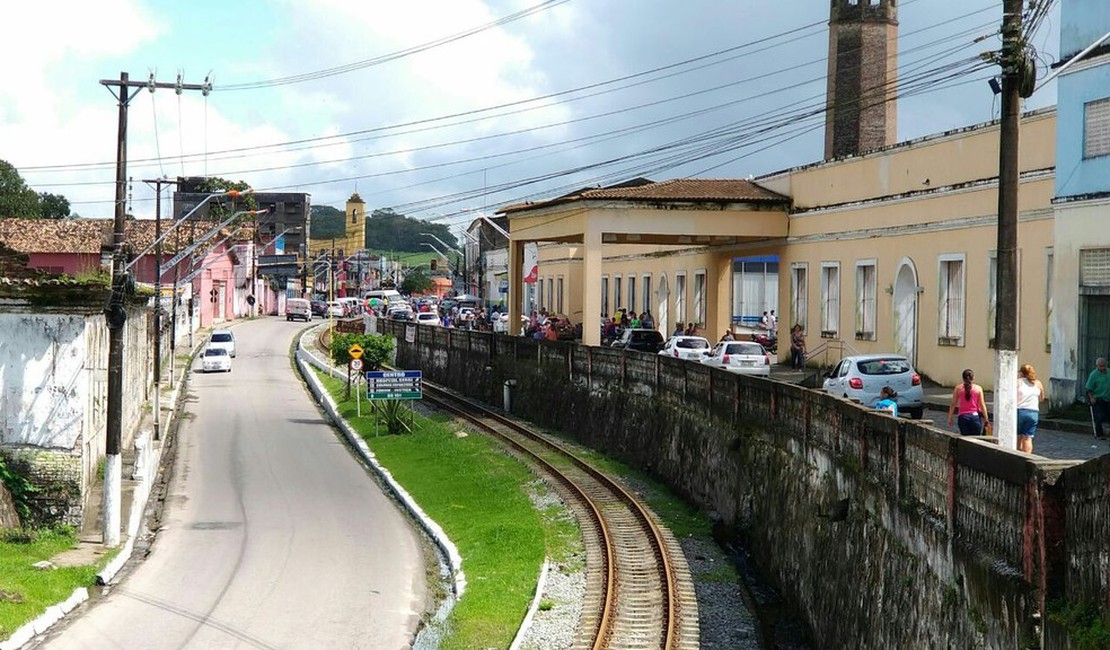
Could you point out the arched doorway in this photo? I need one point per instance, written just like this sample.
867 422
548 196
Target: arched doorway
905 310
662 297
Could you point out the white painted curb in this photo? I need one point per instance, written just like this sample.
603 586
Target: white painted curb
446 546
526 624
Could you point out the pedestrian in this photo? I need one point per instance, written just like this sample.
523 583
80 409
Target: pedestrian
1098 396
765 321
797 347
1030 394
728 336
887 401
647 320
678 331
969 406
634 321
773 321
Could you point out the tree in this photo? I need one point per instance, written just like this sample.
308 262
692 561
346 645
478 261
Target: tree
54 206
327 222
223 208
16 199
389 230
416 281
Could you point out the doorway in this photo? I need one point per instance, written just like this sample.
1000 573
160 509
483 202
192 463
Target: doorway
1094 340
662 297
905 311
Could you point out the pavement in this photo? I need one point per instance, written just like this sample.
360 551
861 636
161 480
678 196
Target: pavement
1057 438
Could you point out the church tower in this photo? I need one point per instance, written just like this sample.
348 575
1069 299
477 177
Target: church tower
863 73
355 238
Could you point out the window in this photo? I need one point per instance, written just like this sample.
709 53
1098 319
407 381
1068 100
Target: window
699 298
631 293
830 300
550 293
992 298
950 301
647 293
539 293
560 297
865 300
680 298
605 295
799 286
1096 128
1050 259
617 297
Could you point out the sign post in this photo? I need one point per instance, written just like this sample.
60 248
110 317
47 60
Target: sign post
395 385
356 352
355 370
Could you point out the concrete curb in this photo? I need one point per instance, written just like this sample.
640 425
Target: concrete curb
447 548
526 624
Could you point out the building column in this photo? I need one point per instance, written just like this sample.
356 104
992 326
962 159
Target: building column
718 307
591 287
516 285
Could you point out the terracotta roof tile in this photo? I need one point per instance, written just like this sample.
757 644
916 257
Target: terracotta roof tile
52 235
677 190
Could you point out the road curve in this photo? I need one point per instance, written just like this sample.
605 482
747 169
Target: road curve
273 536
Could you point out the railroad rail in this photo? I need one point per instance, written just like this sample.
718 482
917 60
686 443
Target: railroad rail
639 594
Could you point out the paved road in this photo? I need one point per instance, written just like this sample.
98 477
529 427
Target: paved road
273 535
1057 445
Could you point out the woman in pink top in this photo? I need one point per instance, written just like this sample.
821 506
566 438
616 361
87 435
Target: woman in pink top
969 405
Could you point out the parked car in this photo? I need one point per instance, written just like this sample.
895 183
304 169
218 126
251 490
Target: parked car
223 339
215 360
686 347
863 377
319 308
644 340
298 308
742 357
428 318
336 308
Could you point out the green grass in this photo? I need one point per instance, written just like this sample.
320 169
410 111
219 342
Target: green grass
37 589
480 496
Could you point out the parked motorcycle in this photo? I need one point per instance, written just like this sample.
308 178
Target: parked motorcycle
768 340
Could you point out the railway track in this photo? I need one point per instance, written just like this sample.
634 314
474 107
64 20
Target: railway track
639 593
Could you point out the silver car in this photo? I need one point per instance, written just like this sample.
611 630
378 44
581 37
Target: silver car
863 378
742 357
686 347
216 360
223 339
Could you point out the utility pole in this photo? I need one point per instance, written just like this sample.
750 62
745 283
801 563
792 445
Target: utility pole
115 313
156 411
1005 333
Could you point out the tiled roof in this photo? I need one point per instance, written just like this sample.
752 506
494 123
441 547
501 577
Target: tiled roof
676 190
52 235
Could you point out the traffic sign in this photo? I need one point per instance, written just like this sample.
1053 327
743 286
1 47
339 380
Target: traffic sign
355 351
356 365
394 384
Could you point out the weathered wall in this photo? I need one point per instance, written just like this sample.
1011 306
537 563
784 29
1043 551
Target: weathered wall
53 389
945 541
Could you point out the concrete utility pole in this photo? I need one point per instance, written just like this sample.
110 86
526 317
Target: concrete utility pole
1005 325
156 412
114 312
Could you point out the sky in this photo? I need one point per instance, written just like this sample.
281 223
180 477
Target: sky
444 109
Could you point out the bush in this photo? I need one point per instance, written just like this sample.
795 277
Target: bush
19 487
377 350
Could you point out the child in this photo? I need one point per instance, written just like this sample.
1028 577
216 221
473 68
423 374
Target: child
886 401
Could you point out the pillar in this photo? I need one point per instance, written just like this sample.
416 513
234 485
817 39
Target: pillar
718 299
591 287
516 285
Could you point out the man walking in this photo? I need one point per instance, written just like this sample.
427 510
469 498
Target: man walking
1098 396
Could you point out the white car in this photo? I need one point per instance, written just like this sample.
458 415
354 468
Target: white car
742 357
215 360
428 318
863 377
223 339
686 347
335 308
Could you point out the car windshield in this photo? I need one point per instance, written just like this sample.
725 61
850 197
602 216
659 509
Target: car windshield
646 336
221 337
744 348
883 366
215 352
692 344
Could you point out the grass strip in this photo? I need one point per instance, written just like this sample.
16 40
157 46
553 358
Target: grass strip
25 591
481 497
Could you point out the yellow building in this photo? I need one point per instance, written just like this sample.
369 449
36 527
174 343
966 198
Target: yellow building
354 234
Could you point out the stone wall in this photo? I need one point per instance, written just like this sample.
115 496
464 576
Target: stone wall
882 532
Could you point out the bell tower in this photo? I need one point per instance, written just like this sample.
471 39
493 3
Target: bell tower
860 111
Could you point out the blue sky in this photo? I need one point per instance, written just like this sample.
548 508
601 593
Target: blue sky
337 134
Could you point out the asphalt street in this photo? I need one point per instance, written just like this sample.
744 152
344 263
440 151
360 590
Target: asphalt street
273 535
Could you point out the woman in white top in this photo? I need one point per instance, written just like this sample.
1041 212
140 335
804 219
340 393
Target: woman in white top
1030 394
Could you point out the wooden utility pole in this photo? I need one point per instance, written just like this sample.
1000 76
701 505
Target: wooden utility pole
1005 337
124 91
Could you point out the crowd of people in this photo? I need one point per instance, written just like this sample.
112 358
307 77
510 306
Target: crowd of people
613 325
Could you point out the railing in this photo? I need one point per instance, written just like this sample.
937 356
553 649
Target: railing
829 347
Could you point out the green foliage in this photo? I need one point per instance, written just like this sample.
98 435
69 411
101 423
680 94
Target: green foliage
394 415
377 350
224 207
20 488
54 206
16 199
416 282
1085 623
327 222
388 230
